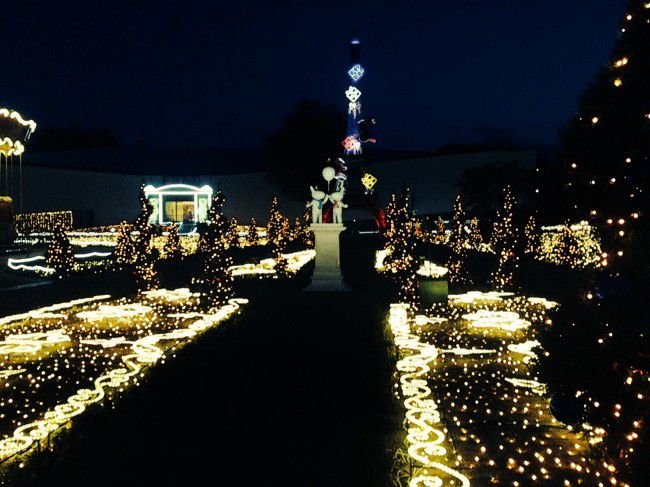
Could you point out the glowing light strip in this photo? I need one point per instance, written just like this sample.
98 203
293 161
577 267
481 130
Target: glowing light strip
502 320
11 147
424 438
295 261
21 264
46 312
31 342
5 112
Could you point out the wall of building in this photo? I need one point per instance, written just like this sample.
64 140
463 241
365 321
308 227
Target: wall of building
108 198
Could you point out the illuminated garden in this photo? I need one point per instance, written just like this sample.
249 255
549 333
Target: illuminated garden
320 309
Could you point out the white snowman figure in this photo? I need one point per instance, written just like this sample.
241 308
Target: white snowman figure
337 205
318 199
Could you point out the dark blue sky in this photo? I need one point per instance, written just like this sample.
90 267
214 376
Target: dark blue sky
225 73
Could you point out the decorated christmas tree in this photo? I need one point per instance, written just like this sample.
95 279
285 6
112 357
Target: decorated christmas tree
475 236
232 236
173 243
301 231
439 236
278 232
606 151
504 244
607 148
531 234
458 239
253 237
59 253
401 242
124 249
215 284
144 256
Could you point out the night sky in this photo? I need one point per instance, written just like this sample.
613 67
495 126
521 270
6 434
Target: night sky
223 74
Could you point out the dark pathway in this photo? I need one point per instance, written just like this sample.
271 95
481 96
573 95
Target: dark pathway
294 392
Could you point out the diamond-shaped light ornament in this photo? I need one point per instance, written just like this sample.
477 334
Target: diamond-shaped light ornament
351 144
356 72
353 93
368 180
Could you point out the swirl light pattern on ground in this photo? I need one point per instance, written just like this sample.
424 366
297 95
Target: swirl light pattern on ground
424 435
139 338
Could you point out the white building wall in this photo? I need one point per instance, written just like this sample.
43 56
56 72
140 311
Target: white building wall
111 198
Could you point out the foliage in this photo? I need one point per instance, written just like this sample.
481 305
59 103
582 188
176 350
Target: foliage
59 253
295 153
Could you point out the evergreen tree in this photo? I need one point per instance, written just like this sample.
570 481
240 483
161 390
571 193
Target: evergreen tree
59 254
253 234
124 250
278 233
475 237
173 243
606 154
401 243
607 148
144 256
301 231
232 236
215 284
457 264
531 234
504 240
440 236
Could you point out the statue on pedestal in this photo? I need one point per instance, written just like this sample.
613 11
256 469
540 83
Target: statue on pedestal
318 199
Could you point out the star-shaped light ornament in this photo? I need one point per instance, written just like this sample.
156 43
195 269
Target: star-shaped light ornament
368 180
356 72
353 93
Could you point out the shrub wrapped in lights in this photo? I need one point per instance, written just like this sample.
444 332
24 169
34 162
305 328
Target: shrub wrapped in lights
215 284
59 253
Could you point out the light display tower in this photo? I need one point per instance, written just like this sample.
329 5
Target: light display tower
14 133
350 171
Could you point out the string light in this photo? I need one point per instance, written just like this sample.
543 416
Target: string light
54 350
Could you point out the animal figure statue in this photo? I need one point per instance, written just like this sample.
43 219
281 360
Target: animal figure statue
318 199
337 205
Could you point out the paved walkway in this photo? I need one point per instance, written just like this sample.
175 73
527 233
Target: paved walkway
292 393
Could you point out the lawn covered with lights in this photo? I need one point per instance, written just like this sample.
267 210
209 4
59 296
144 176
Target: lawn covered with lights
59 360
474 406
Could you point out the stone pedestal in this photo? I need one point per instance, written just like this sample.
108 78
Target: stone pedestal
327 272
